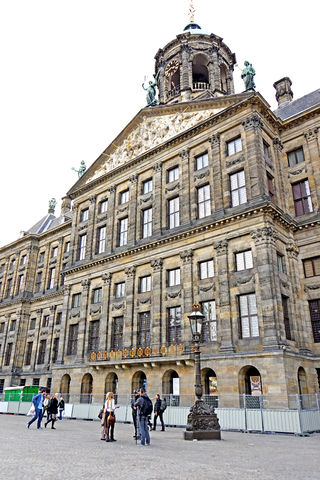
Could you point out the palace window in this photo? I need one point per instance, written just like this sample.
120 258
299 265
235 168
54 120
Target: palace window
67 247
302 198
209 329
93 340
12 264
173 277
23 260
286 318
173 174
52 275
270 180
82 247
20 283
97 295
38 282
117 333
280 263
173 213
103 206
2 325
7 357
147 223
41 257
174 325
28 353
124 197
266 151
32 323
249 326
55 349
314 306
58 318
120 289
244 260
234 146
147 186
143 333
13 325
9 286
84 215
101 248
238 188
54 252
73 339
76 300
204 201
295 156
311 267
206 269
42 351
145 284
45 321
202 161
123 232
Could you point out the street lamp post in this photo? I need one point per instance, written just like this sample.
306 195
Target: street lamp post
203 423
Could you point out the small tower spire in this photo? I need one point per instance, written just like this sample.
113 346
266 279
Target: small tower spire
191 11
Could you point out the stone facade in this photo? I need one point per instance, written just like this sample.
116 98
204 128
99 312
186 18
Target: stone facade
195 201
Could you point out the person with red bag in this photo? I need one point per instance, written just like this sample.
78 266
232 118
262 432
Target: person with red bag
110 418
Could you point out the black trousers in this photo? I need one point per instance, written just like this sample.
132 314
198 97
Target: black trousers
159 415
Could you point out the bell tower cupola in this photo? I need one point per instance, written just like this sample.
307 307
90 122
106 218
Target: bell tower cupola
195 64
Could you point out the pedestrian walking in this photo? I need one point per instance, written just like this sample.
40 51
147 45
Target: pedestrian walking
110 418
38 404
61 407
159 408
45 405
144 406
53 411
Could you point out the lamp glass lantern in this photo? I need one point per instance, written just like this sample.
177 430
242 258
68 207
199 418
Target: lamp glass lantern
196 321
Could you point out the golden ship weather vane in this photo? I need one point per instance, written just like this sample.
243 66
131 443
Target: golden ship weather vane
191 11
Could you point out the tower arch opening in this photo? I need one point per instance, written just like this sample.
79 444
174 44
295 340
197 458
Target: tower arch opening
200 74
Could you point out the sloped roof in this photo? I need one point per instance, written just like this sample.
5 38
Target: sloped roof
48 223
290 109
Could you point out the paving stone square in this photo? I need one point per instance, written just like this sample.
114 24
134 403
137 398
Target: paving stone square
74 451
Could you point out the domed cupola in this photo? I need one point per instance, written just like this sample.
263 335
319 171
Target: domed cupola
195 64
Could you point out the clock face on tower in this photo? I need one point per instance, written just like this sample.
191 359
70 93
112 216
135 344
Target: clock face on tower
171 68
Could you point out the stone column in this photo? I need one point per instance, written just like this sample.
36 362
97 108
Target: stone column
74 237
64 325
128 326
226 333
312 139
83 323
266 258
281 186
257 186
47 359
185 181
90 247
157 204
217 175
185 73
104 340
19 340
158 324
132 233
216 70
187 282
36 341
111 233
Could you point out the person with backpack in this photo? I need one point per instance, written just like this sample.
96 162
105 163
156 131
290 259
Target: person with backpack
145 408
159 408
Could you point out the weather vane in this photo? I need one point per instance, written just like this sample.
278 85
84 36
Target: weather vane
191 11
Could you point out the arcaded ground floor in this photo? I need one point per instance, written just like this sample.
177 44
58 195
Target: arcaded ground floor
74 451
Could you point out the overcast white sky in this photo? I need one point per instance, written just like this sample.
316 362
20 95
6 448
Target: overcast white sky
71 74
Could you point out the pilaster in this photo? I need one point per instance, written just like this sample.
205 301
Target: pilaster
188 299
111 233
158 327
83 323
132 225
129 317
64 324
217 174
105 330
157 206
255 158
185 201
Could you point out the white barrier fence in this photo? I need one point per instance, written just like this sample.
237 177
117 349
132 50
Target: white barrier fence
298 422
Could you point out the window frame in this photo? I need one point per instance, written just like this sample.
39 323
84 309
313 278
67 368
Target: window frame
174 275
174 215
251 317
234 143
173 172
314 267
145 284
84 215
101 239
242 254
124 196
204 205
146 186
304 202
199 161
146 223
205 267
294 155
239 189
82 247
123 233
120 290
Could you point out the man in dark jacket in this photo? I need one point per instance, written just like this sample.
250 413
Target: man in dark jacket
143 418
158 413
53 410
135 397
61 407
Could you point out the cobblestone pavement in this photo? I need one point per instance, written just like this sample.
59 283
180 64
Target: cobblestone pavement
74 451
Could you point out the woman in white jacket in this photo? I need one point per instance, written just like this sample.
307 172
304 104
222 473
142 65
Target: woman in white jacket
110 418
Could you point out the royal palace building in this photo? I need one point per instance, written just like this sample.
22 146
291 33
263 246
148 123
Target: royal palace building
206 197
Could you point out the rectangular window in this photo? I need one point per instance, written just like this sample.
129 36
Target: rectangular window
238 188
97 295
280 263
42 351
202 161
204 201
82 247
38 282
54 252
2 385
7 357
147 186
2 268
209 328
244 260
2 327
13 325
173 277
12 264
93 340
123 232
249 326
67 247
143 334
173 213
41 257
23 260
145 284
314 306
22 382
147 223
302 198
20 283
84 215
73 339
58 318
76 300
55 349
124 197
286 318
270 187
45 321
266 151
173 174
295 157
32 323
103 206
36 382
52 275
9 286
311 267
234 146
28 353
206 269
117 334
102 231
120 290
174 326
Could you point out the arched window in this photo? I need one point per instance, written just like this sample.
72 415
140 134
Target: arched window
200 75
171 387
65 387
86 388
250 385
139 380
210 386
111 384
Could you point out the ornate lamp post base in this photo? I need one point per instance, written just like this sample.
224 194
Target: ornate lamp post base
203 423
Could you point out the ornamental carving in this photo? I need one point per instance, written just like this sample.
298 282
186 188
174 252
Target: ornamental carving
185 154
143 301
252 122
242 280
170 189
107 277
293 250
130 271
133 178
86 283
83 227
235 161
204 174
311 134
277 144
156 264
145 200
221 247
296 172
147 135
206 289
157 167
173 295
186 256
67 289
74 312
215 140
311 287
117 306
95 309
202 417
112 189
262 235
122 210
93 199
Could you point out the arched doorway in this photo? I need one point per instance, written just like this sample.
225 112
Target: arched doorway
86 388
250 386
139 380
171 387
65 387
111 384
210 386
